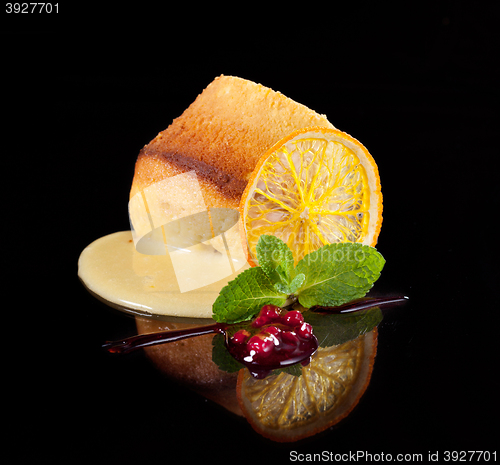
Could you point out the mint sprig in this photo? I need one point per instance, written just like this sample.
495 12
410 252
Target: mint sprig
332 275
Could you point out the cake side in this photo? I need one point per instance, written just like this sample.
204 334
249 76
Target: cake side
221 136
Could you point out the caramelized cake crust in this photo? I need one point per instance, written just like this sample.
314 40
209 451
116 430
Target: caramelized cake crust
221 136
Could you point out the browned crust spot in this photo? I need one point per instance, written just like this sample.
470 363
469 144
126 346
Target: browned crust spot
229 186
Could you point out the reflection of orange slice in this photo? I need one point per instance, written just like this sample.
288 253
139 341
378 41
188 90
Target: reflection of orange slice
287 408
314 187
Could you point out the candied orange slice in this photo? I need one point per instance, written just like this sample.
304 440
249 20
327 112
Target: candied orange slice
315 187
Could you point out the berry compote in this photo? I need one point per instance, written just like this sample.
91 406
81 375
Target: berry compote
275 339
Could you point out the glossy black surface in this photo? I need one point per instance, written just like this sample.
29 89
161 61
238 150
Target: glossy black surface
416 84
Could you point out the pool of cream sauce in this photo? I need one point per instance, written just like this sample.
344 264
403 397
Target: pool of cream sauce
113 270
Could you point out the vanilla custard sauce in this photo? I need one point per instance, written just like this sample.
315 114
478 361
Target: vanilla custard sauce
111 268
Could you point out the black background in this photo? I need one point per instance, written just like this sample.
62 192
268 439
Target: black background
86 89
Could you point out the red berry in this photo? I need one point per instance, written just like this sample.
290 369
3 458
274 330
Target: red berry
272 330
260 345
240 336
259 321
294 318
271 312
289 337
305 331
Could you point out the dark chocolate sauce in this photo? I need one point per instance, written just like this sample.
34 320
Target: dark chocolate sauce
139 341
361 304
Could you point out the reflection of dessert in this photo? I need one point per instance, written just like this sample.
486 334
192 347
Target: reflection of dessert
281 407
190 363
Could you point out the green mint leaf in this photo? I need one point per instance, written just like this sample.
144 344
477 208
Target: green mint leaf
332 329
283 288
275 258
338 273
291 288
243 297
297 283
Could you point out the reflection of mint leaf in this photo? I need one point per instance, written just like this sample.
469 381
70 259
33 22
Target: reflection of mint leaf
338 273
333 328
243 297
275 258
221 356
295 370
